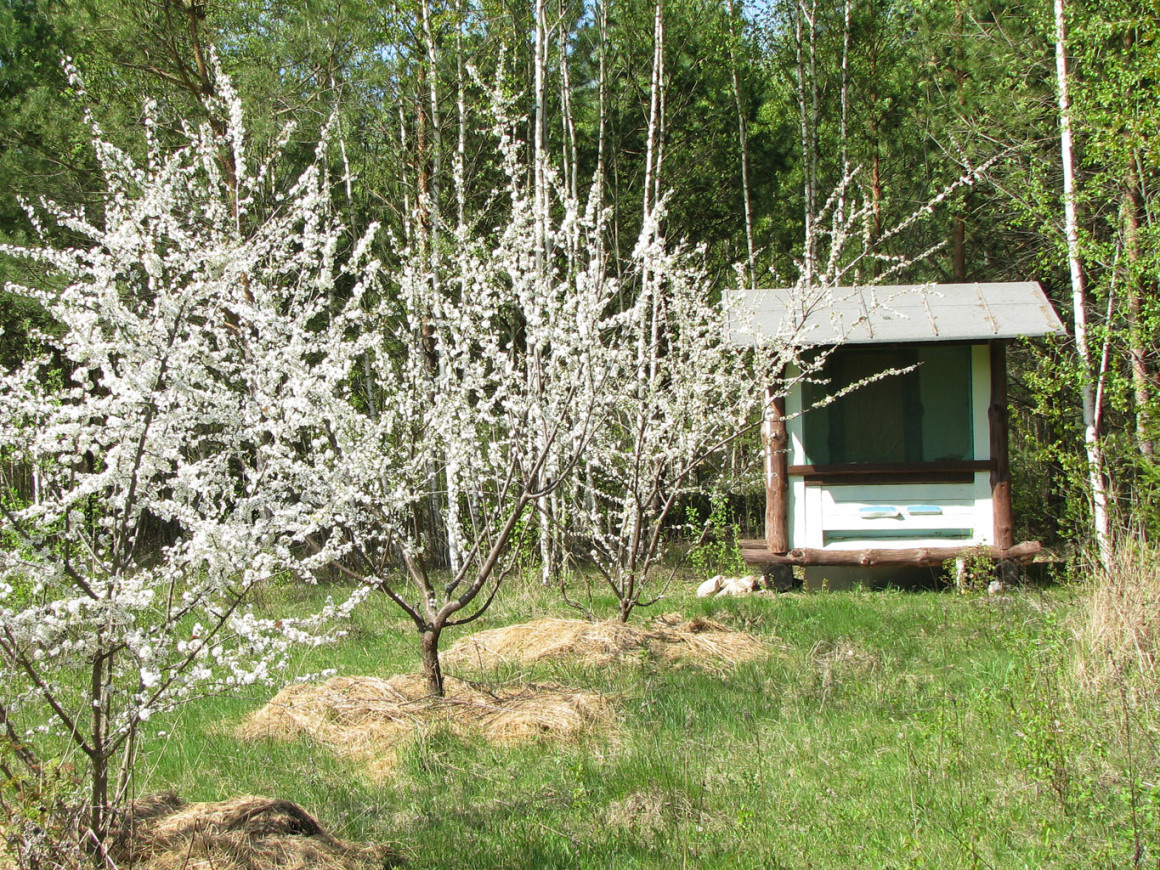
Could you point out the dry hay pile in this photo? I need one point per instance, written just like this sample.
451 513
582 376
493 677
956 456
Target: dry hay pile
369 718
698 641
246 833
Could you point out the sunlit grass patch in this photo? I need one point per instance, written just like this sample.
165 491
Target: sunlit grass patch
886 729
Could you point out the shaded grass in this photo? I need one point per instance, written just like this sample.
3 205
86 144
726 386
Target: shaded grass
894 730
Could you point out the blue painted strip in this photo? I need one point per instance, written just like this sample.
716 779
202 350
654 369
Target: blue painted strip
924 510
879 511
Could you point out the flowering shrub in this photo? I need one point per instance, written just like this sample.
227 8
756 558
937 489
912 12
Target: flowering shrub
144 408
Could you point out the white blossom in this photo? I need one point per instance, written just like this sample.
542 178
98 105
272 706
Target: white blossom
151 406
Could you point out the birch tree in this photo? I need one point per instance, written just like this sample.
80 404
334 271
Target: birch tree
743 145
1090 372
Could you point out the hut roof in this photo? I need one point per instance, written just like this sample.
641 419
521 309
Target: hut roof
891 313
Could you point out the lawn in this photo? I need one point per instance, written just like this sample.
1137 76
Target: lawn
884 729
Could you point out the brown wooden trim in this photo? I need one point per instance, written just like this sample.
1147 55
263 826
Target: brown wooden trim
941 342
971 465
998 421
776 476
917 556
894 472
838 479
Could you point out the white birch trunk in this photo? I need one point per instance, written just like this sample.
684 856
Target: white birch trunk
571 157
653 175
844 133
661 92
1092 444
743 142
408 234
461 109
599 180
571 161
436 122
451 463
806 80
540 200
651 161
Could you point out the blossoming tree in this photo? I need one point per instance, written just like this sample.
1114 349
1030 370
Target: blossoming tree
140 411
683 395
479 369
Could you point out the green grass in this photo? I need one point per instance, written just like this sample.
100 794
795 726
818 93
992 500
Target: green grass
886 730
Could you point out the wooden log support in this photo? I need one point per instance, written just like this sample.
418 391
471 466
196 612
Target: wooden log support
776 474
756 553
998 419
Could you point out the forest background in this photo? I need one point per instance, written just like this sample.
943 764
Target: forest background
744 117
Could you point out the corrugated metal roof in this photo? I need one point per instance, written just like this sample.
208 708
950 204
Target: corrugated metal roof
891 313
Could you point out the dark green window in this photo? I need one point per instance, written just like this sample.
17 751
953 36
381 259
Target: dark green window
921 416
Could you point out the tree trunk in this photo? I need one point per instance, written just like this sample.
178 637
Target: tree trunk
429 646
655 121
743 143
958 220
461 118
959 247
776 439
876 158
844 113
540 194
99 758
571 161
1132 207
627 604
1092 442
805 80
599 180
99 811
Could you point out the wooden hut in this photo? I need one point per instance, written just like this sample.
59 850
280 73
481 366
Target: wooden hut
912 468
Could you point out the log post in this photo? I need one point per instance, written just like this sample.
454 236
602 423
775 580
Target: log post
915 556
776 474
1001 472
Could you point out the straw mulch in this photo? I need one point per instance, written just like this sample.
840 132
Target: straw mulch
246 833
369 719
700 642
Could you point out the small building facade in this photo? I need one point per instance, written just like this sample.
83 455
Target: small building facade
893 451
